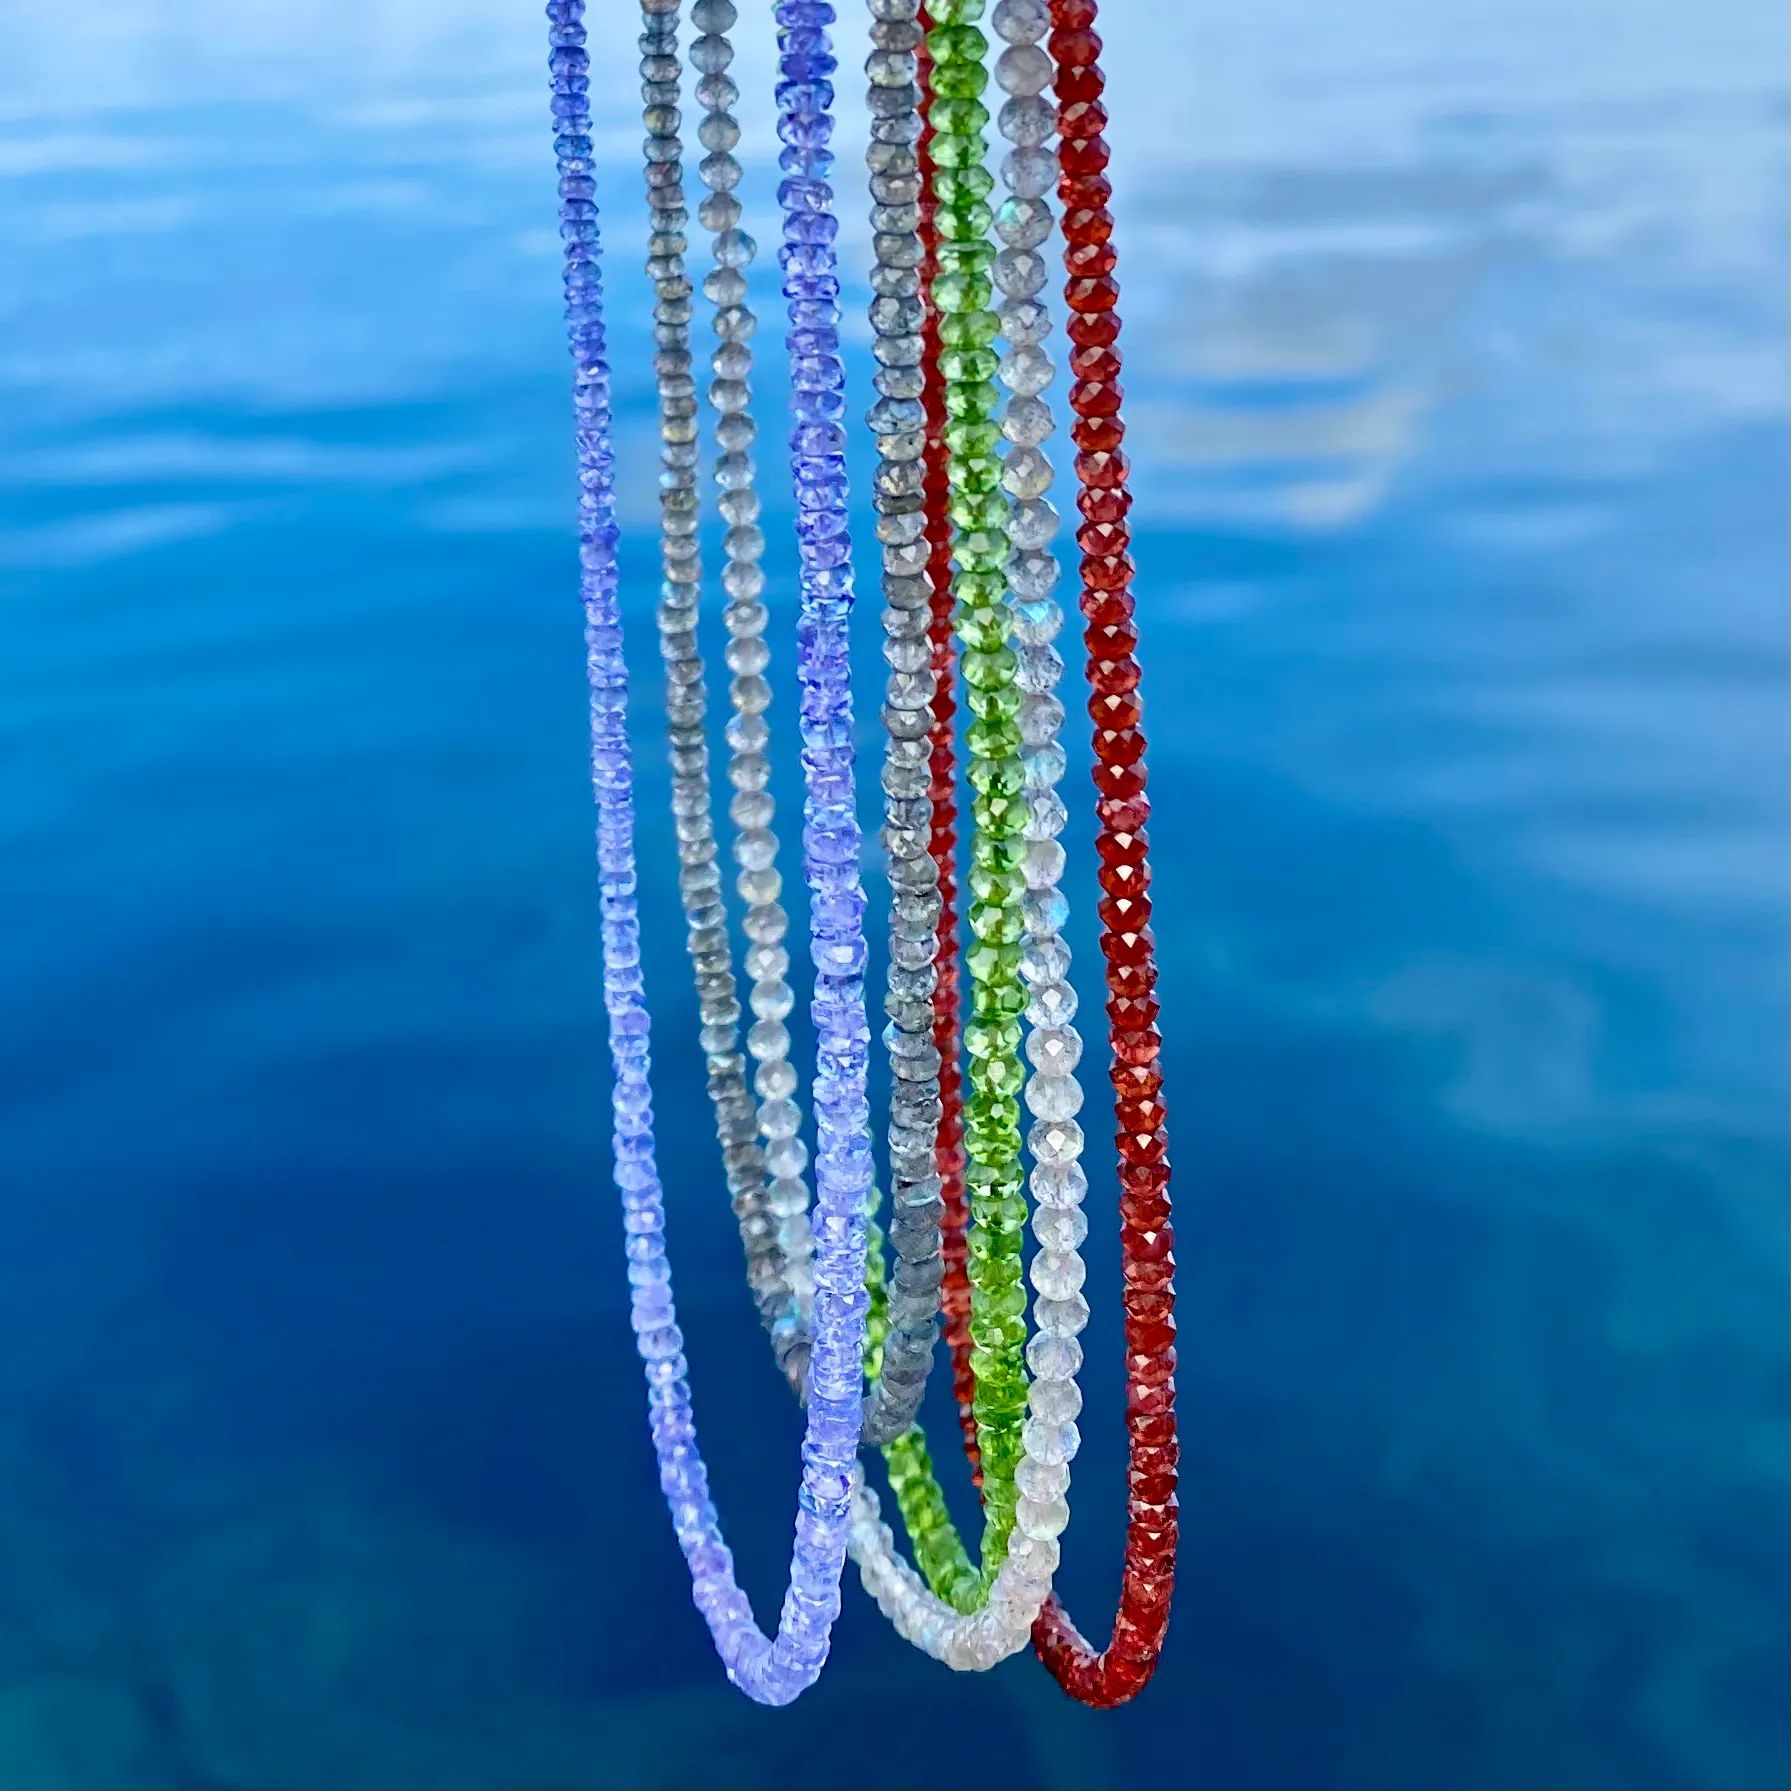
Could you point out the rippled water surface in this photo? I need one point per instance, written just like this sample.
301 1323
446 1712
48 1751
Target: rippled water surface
1457 382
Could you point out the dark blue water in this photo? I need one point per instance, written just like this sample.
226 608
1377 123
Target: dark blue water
1457 382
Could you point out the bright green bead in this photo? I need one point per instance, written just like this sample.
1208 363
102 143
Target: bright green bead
971 435
952 184
994 806
988 737
1000 888
986 1038
959 79
999 703
965 292
962 120
998 777
973 256
998 855
949 150
980 627
1002 924
977 479
969 329
965 226
980 545
988 961
992 1143
1003 1180
980 608
983 671
968 400
994 1332
954 36
1010 998
995 732
964 365
1002 1215
971 473
992 1140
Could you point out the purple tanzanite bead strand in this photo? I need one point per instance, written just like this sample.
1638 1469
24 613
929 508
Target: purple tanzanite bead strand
777 1670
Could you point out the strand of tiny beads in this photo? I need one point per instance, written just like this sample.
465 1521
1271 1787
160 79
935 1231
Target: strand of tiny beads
898 423
775 1670
1146 1240
774 1226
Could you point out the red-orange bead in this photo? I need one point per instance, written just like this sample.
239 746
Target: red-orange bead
1111 676
1074 48
1099 293
1087 157
1098 435
1091 259
1110 572
1104 506
1090 398
1116 709
1097 362
1093 329
1081 118
1105 467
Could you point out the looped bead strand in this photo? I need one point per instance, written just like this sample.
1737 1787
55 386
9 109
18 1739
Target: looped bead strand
771 1670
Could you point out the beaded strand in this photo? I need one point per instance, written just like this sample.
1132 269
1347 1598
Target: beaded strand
898 423
1123 810
765 924
954 1297
1053 1046
775 1670
778 1250
978 507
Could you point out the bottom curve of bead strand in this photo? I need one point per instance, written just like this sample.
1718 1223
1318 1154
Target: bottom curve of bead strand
772 1670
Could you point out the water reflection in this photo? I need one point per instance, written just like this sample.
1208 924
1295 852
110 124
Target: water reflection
1456 381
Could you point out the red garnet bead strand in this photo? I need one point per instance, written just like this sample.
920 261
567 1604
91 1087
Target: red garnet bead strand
1123 809
954 1295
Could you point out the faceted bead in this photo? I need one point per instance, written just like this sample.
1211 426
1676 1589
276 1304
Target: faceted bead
1112 572
1088 157
1080 118
1074 48
1103 469
1095 329
1098 292
1104 506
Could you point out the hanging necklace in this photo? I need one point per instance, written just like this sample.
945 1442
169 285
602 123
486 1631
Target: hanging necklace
778 1669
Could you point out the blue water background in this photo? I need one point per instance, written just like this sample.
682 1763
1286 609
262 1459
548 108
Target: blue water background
1456 374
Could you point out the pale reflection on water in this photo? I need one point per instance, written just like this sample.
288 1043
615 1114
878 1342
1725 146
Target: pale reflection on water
1456 388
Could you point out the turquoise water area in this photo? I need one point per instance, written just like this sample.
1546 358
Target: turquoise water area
1457 382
